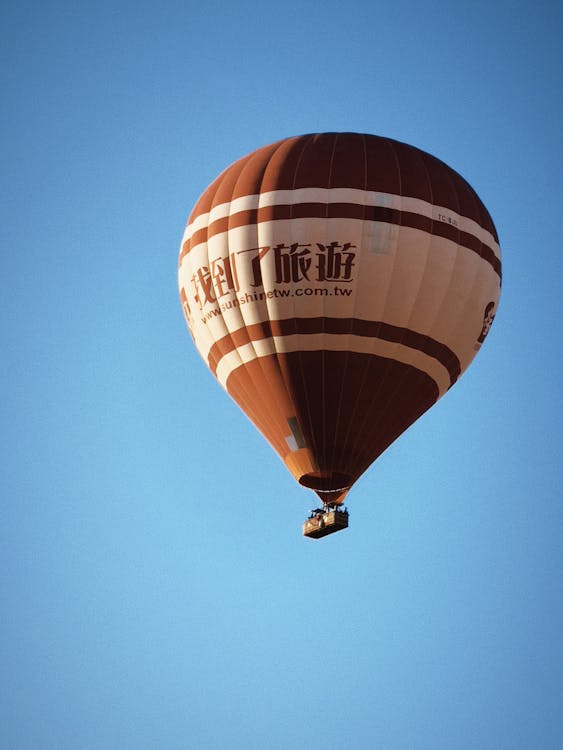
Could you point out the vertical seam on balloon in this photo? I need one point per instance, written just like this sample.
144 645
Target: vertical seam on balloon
268 415
249 396
429 242
210 339
362 385
281 356
324 436
299 354
279 359
454 185
481 269
351 317
355 439
399 380
205 331
458 255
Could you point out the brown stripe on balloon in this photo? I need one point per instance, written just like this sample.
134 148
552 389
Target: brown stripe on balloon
338 326
345 211
374 163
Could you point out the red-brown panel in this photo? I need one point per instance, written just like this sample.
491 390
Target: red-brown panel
282 166
349 420
346 160
350 407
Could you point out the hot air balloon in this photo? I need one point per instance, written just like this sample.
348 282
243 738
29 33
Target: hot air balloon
337 285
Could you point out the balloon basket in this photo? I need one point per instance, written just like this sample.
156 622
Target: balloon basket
325 521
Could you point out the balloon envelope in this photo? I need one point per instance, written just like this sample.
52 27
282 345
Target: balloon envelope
337 285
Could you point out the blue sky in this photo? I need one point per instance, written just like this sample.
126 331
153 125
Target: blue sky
155 595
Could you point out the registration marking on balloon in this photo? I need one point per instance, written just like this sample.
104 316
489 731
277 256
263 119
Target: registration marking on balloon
338 312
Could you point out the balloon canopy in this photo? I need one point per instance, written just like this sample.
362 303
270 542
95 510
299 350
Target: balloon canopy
337 285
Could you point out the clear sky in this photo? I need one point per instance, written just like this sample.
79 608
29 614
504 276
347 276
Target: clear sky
153 593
